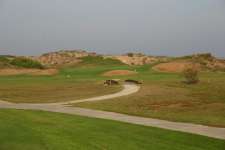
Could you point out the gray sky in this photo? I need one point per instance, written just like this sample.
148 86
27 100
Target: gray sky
158 27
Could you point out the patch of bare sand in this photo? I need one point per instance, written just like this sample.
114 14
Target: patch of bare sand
171 67
119 73
8 72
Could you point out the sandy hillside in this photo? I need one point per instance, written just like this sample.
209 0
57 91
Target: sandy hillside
171 66
62 57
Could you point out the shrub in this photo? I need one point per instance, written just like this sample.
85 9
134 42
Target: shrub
3 59
99 60
26 63
130 54
191 74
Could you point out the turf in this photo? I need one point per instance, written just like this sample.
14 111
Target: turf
36 130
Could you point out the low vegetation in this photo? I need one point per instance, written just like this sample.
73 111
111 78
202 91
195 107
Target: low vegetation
191 74
4 62
36 130
99 61
19 62
164 96
4 59
26 63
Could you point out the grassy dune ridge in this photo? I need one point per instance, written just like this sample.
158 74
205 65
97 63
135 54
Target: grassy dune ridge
19 62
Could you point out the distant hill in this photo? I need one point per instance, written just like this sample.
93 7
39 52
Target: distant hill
75 58
7 61
140 59
204 61
62 57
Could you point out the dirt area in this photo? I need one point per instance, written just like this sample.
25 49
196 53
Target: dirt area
6 72
137 60
119 73
171 66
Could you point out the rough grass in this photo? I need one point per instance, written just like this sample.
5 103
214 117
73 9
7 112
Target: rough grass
70 84
4 62
26 130
29 89
4 59
164 96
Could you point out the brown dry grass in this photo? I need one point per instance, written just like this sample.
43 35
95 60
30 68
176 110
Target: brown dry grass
8 72
119 73
172 101
48 91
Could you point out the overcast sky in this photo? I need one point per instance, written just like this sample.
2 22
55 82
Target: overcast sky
158 27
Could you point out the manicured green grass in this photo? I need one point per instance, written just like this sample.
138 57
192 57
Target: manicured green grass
35 130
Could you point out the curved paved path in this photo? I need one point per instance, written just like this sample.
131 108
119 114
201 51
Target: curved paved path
128 89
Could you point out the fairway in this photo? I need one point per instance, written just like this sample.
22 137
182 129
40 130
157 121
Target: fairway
37 130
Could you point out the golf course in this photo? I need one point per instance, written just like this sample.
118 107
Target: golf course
26 100
112 75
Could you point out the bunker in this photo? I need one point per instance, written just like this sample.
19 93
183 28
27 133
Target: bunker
132 81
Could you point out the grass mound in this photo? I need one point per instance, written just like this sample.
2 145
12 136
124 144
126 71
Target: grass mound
26 63
18 62
4 61
100 61
206 61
